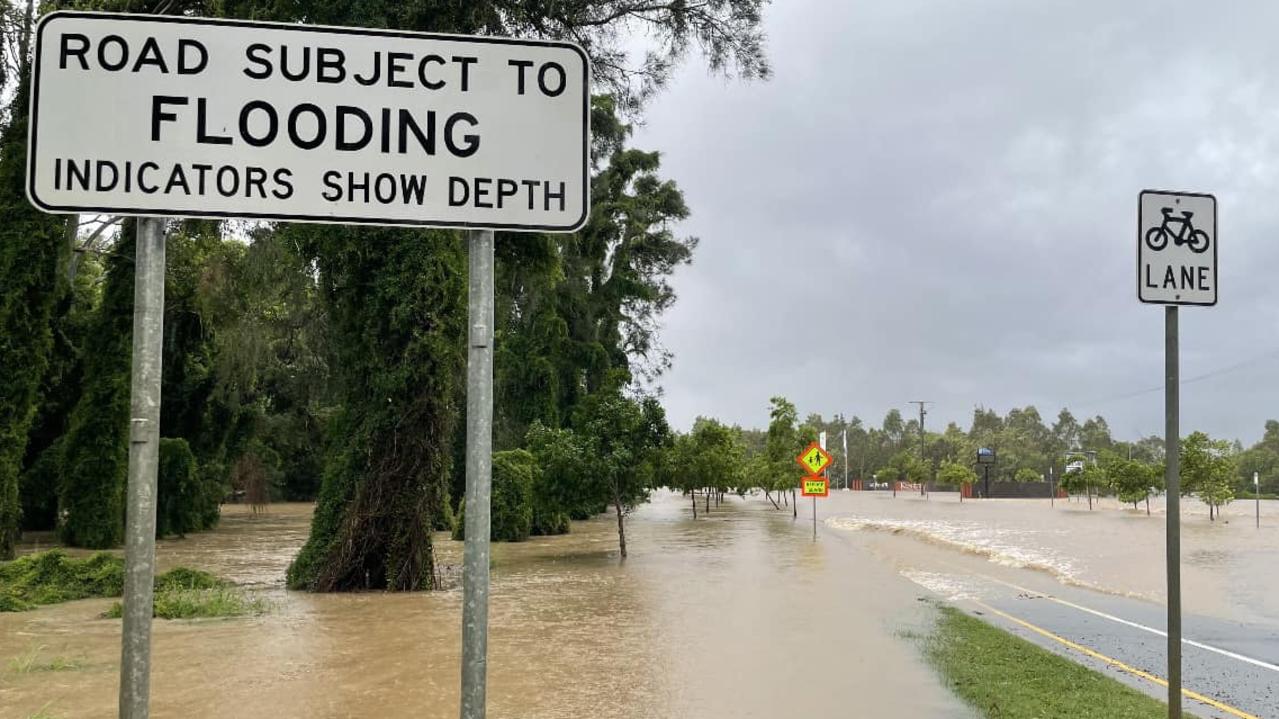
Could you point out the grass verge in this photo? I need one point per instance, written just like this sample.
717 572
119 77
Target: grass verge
52 577
1006 677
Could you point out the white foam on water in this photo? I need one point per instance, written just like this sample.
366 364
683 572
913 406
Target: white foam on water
1001 545
951 587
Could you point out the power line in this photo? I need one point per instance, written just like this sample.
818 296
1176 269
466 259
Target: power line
1197 378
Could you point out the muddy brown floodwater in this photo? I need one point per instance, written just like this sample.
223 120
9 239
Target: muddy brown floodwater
735 615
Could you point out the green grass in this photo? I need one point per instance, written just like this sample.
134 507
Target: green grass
1006 677
184 603
52 577
29 662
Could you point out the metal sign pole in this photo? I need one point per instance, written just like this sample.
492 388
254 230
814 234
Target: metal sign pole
479 470
1256 495
1052 488
814 519
144 455
1172 451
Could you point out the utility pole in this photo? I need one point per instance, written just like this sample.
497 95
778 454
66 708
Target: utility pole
922 413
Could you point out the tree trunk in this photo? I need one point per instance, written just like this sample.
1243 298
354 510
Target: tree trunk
24 47
774 501
794 505
694 496
708 501
621 526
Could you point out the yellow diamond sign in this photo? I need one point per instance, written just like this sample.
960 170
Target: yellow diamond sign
814 459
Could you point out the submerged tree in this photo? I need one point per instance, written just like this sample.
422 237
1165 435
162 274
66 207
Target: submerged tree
956 473
624 440
396 301
711 457
1208 469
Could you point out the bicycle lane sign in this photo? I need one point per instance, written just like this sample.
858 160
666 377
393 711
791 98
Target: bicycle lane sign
1176 248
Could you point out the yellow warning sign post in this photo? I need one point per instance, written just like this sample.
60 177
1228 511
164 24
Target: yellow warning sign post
815 459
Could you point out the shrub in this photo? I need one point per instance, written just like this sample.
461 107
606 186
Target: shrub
512 501
188 498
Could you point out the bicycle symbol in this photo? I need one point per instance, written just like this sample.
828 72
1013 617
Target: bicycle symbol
1157 237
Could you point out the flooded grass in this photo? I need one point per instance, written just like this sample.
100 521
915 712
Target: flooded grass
53 577
1007 677
201 603
29 662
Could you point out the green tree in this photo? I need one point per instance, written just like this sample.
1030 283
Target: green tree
561 488
95 455
956 474
1130 479
624 439
32 251
1208 469
511 518
905 466
782 445
1026 474
397 321
710 457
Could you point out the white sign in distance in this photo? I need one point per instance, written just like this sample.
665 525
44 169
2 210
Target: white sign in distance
159 115
1176 248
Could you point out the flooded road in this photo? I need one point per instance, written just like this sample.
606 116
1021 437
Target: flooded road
735 615
1228 566
1090 585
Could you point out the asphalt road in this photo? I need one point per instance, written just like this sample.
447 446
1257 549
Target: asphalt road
1229 669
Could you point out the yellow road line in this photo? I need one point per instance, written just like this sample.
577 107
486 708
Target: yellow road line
1116 663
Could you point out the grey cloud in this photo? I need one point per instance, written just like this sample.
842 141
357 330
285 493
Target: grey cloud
936 200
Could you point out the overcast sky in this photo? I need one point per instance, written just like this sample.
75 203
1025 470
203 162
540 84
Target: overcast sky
937 201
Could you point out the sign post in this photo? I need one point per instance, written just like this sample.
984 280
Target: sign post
479 474
144 459
1176 265
815 459
986 458
1256 495
376 127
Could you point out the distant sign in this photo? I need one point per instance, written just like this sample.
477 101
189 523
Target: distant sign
816 487
985 455
1176 248
165 115
814 459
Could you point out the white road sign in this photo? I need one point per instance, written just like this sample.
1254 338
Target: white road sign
1177 248
152 115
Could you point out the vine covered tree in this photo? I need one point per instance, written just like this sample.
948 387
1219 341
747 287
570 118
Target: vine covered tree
32 249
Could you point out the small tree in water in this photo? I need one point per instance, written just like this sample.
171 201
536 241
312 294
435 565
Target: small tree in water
956 473
624 440
1208 469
